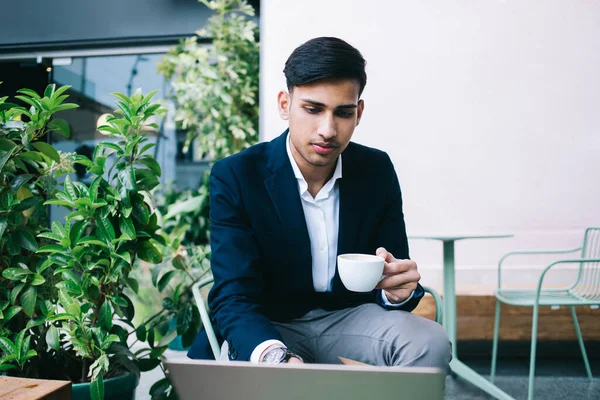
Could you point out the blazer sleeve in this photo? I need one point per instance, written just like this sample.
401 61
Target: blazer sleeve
392 231
235 263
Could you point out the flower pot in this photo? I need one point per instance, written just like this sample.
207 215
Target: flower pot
176 343
121 387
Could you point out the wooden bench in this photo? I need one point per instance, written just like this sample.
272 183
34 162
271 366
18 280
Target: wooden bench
33 389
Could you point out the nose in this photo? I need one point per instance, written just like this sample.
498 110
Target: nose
327 128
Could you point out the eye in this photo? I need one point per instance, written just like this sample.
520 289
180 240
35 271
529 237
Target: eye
344 114
312 110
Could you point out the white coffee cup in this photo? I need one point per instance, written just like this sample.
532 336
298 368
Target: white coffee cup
360 272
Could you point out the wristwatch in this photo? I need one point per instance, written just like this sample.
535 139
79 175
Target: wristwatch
278 355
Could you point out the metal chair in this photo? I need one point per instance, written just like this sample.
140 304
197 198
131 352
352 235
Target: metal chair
584 290
212 338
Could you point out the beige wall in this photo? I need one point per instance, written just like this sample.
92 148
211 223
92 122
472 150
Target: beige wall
490 111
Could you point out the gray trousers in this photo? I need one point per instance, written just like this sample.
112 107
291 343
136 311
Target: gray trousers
369 334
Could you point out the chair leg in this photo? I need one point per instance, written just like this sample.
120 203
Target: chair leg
581 345
495 342
534 327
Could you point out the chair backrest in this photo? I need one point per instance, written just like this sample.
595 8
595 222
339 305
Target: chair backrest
588 282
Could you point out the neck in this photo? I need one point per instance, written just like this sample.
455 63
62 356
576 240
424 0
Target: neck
315 177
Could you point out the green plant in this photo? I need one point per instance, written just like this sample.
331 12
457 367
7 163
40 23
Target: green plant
63 291
215 87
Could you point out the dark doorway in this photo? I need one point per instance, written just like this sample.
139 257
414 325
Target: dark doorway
16 75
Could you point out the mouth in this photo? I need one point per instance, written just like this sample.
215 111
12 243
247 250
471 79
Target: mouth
324 148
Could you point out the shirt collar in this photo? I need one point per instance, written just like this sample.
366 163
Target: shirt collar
337 174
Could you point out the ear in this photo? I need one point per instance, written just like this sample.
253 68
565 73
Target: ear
283 101
359 111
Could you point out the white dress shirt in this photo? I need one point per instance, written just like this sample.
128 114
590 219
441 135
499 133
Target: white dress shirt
322 220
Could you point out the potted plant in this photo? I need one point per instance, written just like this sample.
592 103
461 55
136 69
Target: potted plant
64 308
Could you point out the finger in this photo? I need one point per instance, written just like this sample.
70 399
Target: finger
399 266
386 255
393 281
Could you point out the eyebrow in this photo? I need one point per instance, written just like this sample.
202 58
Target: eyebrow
319 104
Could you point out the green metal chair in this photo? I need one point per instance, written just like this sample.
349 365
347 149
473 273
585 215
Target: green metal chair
584 290
212 338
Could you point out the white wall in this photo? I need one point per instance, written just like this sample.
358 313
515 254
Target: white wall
490 111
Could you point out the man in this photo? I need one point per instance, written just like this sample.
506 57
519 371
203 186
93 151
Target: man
282 211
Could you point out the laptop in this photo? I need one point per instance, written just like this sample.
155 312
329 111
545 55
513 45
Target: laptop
215 380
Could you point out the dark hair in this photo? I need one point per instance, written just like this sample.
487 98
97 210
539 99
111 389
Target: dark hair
325 58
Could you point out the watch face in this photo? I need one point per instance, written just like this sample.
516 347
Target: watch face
275 356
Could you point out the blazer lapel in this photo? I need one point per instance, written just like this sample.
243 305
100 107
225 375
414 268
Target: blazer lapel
351 203
283 191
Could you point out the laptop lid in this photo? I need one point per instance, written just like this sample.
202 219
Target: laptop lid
203 379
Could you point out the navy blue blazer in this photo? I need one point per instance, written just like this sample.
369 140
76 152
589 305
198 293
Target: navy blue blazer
261 258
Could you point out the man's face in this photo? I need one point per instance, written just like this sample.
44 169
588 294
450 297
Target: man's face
322 117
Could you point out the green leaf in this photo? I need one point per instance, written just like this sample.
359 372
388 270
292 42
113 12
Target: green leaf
52 248
69 188
19 181
27 203
178 263
37 280
105 316
60 126
61 317
184 318
164 280
15 274
148 364
97 388
147 147
33 102
60 91
13 244
184 207
4 154
28 241
148 252
3 224
64 299
126 226
66 106
15 292
146 179
74 308
47 150
50 235
77 230
37 321
7 346
28 299
57 202
151 164
140 333
30 93
11 312
159 388
127 178
121 302
49 90
52 338
105 229
133 284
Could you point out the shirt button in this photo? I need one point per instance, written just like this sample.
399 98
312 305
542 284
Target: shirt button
323 248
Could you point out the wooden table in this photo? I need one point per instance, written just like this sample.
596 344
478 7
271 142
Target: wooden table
33 389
